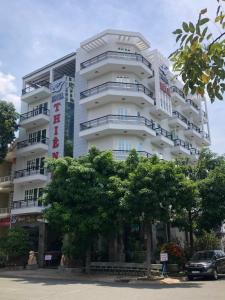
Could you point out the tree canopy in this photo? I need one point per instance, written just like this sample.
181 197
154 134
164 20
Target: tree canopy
199 60
8 125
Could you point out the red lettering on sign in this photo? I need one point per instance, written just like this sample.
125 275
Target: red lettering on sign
55 154
55 142
56 119
56 130
56 106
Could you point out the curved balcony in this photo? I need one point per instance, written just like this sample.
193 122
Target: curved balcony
32 146
26 206
36 92
111 61
192 109
32 175
193 132
181 148
163 138
38 116
117 92
117 124
178 120
6 184
205 139
177 96
123 154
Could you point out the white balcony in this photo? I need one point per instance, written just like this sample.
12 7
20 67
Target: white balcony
32 146
30 206
5 181
117 124
35 93
178 121
177 96
111 61
181 148
194 154
192 109
193 132
4 212
35 175
205 139
34 118
118 92
163 138
6 184
123 154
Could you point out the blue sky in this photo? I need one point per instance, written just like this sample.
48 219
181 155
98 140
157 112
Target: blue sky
33 33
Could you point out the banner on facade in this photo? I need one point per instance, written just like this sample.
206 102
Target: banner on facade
5 222
57 118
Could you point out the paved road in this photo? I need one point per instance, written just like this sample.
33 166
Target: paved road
42 289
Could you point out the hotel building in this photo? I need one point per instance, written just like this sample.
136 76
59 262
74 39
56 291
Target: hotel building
114 92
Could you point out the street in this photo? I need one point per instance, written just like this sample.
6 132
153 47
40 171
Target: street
41 289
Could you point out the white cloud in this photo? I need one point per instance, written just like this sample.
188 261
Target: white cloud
8 90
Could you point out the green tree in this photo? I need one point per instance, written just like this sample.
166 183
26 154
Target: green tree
83 191
199 60
8 125
16 244
152 195
212 191
207 241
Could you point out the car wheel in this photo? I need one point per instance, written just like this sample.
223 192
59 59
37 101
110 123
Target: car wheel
215 275
190 277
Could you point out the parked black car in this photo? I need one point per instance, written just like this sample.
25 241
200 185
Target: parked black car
208 263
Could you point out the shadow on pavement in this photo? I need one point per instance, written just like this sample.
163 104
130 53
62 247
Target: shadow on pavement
142 285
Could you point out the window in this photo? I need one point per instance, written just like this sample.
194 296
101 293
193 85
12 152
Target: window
124 145
37 136
33 194
36 164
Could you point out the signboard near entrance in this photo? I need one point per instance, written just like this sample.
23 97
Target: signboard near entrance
163 257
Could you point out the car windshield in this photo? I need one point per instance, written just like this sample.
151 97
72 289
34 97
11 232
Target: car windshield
207 255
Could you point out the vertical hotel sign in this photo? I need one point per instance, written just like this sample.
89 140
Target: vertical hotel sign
164 83
57 122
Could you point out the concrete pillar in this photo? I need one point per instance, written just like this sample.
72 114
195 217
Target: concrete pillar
41 244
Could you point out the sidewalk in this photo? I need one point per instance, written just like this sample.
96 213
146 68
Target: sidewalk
55 274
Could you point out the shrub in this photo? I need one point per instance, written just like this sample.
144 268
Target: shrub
175 252
207 241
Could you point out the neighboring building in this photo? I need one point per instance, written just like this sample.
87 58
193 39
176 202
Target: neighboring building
115 93
6 189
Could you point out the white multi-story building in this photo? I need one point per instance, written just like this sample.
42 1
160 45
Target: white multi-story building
124 97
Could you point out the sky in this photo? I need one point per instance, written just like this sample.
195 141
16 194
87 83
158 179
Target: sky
34 33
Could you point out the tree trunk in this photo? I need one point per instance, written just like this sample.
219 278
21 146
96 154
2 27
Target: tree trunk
88 260
148 230
191 232
121 254
168 232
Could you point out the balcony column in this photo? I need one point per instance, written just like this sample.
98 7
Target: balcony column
51 76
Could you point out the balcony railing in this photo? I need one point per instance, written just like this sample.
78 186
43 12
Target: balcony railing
179 142
34 112
125 153
134 87
164 132
117 55
4 210
192 103
194 151
137 120
193 126
33 87
33 141
180 117
29 172
26 203
5 179
178 91
205 135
